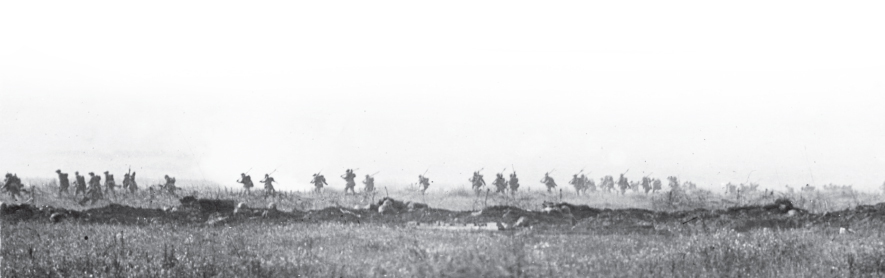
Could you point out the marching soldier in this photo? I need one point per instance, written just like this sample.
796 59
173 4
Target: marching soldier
79 184
514 183
12 185
246 180
588 183
578 183
63 182
424 182
268 185
370 183
133 186
94 191
656 185
500 183
351 184
127 182
477 181
549 182
646 184
109 183
623 184
318 182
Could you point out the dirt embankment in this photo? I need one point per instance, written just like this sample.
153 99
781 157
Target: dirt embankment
192 211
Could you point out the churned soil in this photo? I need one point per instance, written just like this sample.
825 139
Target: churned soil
560 216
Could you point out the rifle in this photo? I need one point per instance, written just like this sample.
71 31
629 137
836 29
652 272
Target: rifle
373 175
425 171
250 169
625 172
512 167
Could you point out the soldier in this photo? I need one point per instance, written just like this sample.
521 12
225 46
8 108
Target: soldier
268 185
549 182
588 184
127 181
63 182
477 181
170 184
423 182
94 191
12 185
79 184
656 185
109 183
578 183
370 183
318 182
133 185
499 183
514 183
246 180
623 184
351 184
646 184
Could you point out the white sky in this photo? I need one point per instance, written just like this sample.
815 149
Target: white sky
790 91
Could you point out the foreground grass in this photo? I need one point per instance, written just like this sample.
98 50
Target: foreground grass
343 250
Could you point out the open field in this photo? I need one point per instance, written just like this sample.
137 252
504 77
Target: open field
680 234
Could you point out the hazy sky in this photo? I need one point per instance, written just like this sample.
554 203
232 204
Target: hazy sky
785 92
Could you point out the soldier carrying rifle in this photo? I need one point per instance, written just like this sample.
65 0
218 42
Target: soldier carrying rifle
549 182
318 181
268 185
246 180
349 177
477 181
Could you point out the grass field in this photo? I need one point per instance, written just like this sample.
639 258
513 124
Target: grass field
74 249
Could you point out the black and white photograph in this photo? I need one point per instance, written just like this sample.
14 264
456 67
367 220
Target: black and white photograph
442 139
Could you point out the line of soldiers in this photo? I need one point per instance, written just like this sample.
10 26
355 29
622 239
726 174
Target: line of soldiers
477 182
94 185
268 181
583 184
349 176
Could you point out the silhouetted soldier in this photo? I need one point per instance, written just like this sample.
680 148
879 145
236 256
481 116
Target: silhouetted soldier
79 184
109 183
588 184
646 184
268 185
63 182
424 182
133 185
578 183
318 182
549 182
349 176
170 184
370 183
623 184
500 183
246 180
127 182
514 183
94 192
477 181
12 185
656 185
